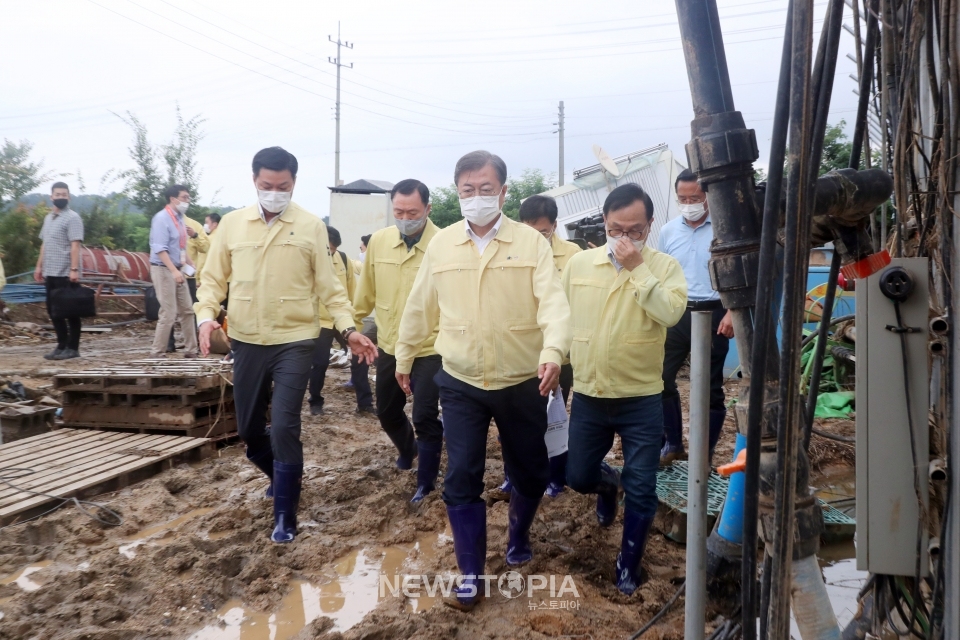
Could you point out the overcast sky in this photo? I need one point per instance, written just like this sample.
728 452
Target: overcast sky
432 79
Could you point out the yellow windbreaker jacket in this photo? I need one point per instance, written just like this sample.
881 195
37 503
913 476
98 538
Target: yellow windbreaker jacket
386 281
500 315
620 321
278 275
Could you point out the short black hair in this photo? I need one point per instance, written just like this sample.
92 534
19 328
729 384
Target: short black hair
408 186
685 176
215 217
624 196
275 159
536 207
59 185
366 239
334 236
173 191
476 160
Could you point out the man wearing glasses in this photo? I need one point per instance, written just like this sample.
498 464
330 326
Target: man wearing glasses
491 285
623 297
688 239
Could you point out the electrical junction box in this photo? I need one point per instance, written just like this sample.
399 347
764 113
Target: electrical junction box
887 509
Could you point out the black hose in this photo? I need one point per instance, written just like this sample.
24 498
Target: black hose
866 82
797 253
821 349
763 338
660 613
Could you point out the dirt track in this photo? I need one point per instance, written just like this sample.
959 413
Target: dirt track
189 573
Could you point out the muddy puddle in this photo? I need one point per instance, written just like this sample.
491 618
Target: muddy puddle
159 534
22 578
347 592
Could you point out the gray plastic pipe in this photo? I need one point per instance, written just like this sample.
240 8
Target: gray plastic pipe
698 467
811 604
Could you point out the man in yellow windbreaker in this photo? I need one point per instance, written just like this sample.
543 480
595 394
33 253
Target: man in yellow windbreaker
321 355
540 212
492 287
392 260
623 298
274 255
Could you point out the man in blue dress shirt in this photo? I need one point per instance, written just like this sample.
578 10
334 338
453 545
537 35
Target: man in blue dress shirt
688 239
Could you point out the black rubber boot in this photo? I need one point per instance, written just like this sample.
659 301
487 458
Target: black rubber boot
521 514
427 469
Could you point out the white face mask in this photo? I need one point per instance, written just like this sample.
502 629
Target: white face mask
692 212
363 254
480 210
274 201
182 207
410 228
612 242
206 228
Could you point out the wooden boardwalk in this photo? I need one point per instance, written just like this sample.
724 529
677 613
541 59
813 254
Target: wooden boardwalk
81 463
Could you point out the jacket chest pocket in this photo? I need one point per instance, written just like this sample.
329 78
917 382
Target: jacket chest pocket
292 266
244 257
455 279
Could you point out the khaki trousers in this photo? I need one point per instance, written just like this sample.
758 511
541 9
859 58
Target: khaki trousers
175 304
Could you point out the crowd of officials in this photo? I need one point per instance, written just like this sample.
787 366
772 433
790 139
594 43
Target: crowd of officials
483 320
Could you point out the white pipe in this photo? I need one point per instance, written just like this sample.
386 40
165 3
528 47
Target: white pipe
811 604
698 467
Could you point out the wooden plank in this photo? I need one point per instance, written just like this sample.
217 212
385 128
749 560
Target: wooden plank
61 473
48 474
57 469
120 479
226 424
52 435
120 476
23 449
77 439
108 442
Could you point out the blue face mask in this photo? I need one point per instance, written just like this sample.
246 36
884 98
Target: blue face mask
410 228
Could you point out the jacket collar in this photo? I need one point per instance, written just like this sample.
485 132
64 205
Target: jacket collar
289 215
504 233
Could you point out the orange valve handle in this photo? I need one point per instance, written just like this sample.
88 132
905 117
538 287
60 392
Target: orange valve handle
739 464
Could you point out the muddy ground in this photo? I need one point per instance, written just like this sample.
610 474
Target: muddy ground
192 557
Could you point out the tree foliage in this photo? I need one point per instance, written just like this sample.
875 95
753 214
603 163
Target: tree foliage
445 209
20 237
145 182
18 175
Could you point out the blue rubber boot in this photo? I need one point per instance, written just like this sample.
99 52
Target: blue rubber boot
263 460
558 475
607 495
427 469
469 525
522 511
635 530
287 479
673 432
717 417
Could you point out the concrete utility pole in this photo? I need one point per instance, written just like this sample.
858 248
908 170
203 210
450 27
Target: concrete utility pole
560 130
339 62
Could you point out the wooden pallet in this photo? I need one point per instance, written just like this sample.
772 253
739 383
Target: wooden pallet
80 463
149 377
158 413
224 429
18 422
